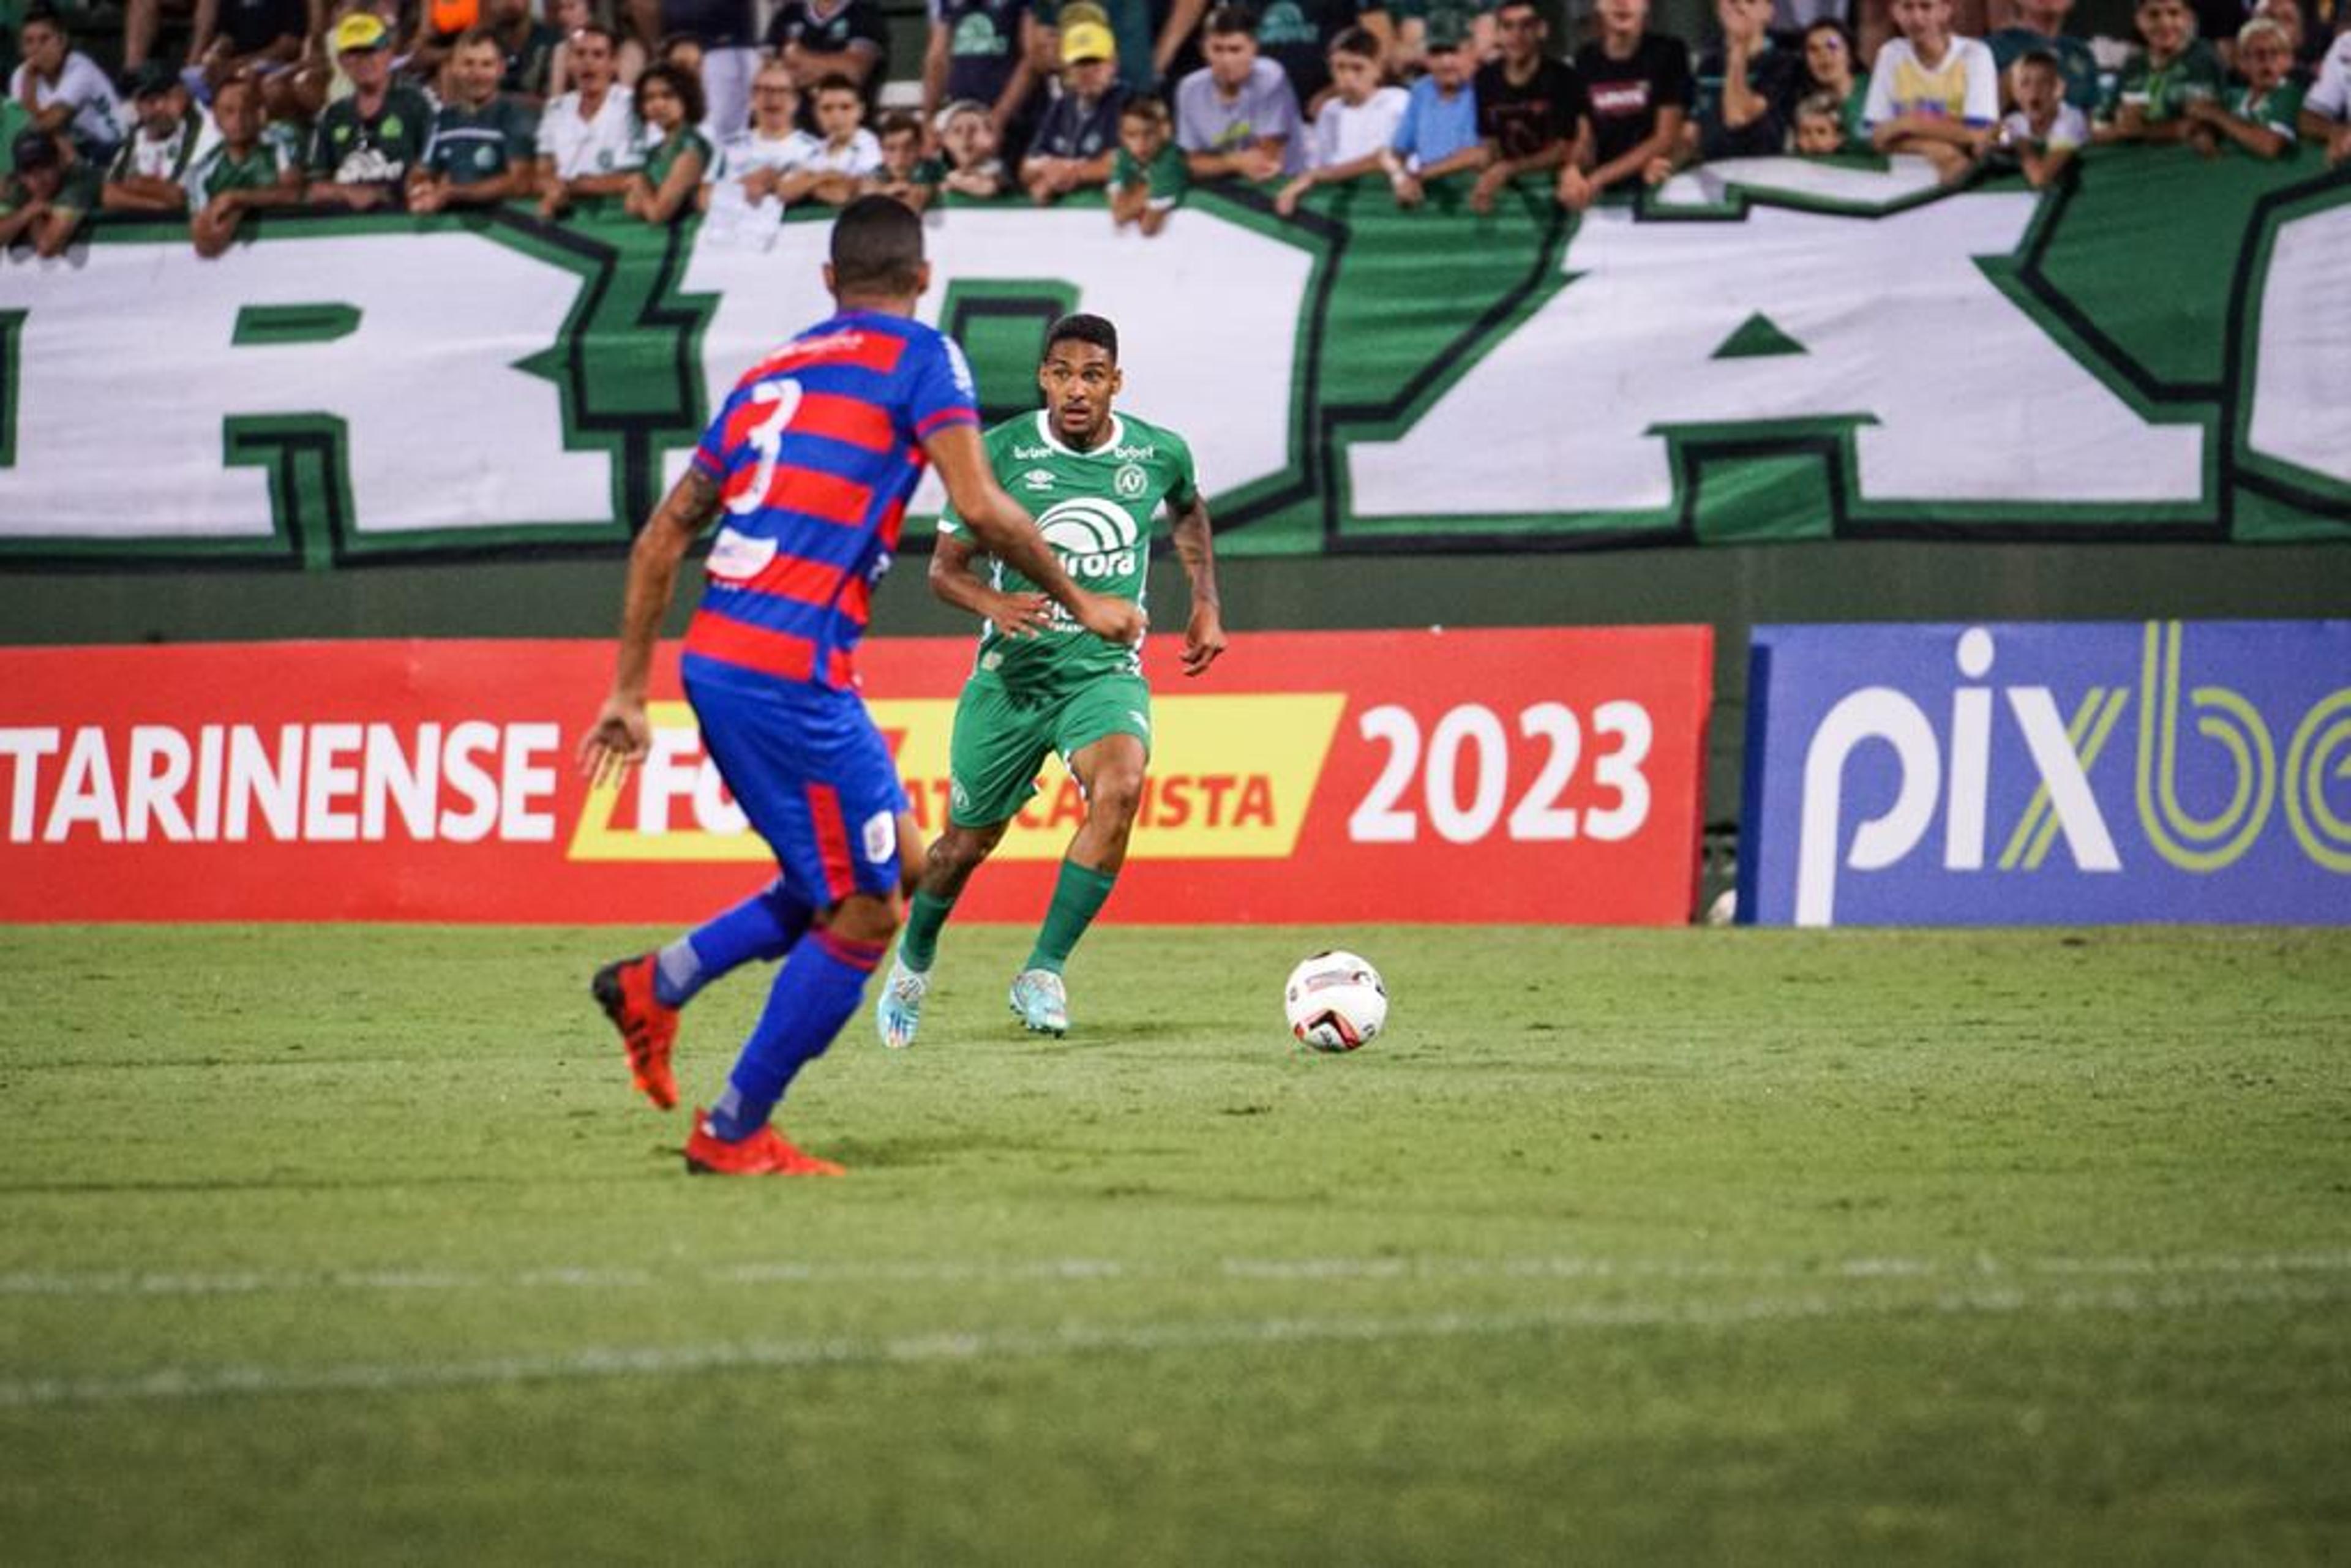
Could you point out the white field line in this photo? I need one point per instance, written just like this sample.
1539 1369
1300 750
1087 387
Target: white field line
1086 1271
950 1344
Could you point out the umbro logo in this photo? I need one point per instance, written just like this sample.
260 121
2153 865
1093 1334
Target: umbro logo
1038 479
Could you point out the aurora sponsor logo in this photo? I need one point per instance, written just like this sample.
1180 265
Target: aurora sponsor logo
1093 537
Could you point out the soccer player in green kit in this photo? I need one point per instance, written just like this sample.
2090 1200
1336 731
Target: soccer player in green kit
1095 480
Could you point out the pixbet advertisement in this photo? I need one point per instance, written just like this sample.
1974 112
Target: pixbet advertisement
2046 774
1311 777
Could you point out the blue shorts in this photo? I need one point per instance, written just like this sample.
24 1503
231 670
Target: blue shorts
810 772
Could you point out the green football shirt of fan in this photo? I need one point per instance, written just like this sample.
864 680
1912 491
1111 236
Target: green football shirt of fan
1097 510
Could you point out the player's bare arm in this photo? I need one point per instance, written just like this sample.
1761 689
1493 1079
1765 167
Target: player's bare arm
1204 636
952 581
1010 534
621 735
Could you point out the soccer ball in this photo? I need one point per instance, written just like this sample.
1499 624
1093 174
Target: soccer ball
1336 1001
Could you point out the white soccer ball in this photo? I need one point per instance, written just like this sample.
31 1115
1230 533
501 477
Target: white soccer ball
1335 1001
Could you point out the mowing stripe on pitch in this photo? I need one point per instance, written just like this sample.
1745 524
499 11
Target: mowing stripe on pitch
184 1383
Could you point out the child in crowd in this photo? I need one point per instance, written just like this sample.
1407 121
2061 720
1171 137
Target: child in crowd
244 171
2175 70
669 103
967 138
846 155
46 198
1640 90
1820 126
2040 25
1829 68
907 174
1931 92
169 134
2263 115
1438 133
2044 132
1150 174
1350 137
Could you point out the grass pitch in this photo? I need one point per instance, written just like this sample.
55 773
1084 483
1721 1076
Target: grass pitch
1679 1246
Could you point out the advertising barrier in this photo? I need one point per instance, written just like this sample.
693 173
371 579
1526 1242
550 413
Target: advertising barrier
2043 774
1483 775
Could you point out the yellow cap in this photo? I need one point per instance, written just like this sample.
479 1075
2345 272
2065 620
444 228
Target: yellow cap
1082 41
360 32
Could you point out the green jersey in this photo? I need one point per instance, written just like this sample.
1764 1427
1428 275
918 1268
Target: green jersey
351 149
661 160
1095 510
2278 109
2164 91
471 145
221 170
1167 176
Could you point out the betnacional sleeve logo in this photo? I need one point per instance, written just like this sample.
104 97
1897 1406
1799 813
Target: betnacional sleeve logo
1232 777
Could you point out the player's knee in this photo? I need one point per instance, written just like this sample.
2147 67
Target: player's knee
864 917
1116 795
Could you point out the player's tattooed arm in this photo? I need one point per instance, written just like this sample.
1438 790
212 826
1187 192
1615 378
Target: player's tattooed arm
1204 634
621 735
952 581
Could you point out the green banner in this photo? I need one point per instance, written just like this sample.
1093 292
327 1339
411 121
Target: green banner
1760 351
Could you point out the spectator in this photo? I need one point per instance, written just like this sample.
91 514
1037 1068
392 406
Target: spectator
1157 39
526 49
2327 108
63 89
2044 132
683 52
2040 25
258 39
669 106
1820 126
2263 116
752 163
46 198
1438 134
1297 35
590 142
2175 70
2287 15
366 144
243 172
821 38
1358 124
1470 21
1149 176
729 36
1077 139
987 51
1829 68
1747 88
480 153
846 154
1638 86
629 56
1533 115
1238 115
907 173
1932 93
169 134
966 135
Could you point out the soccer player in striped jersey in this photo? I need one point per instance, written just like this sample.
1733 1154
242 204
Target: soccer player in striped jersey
808 466
1040 682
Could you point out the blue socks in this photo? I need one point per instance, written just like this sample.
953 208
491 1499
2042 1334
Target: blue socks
817 991
764 926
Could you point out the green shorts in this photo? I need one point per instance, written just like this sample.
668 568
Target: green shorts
1001 738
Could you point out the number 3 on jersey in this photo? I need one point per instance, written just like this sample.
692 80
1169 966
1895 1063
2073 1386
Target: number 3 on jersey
767 439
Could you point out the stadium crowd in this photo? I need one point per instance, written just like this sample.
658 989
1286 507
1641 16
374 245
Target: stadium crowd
662 108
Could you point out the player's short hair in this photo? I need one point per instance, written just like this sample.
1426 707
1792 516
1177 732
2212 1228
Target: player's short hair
1142 106
1227 20
2039 60
1080 328
877 248
682 83
1358 42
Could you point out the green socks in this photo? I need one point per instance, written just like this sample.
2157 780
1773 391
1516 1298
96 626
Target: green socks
1078 896
925 917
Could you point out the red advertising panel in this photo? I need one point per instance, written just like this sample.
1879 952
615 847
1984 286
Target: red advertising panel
1484 776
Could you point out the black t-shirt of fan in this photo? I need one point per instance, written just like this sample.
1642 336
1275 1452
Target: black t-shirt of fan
1625 95
1522 118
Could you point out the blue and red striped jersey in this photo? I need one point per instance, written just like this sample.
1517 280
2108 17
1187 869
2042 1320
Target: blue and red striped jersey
815 452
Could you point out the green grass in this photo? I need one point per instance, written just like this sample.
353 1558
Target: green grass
1670 1246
